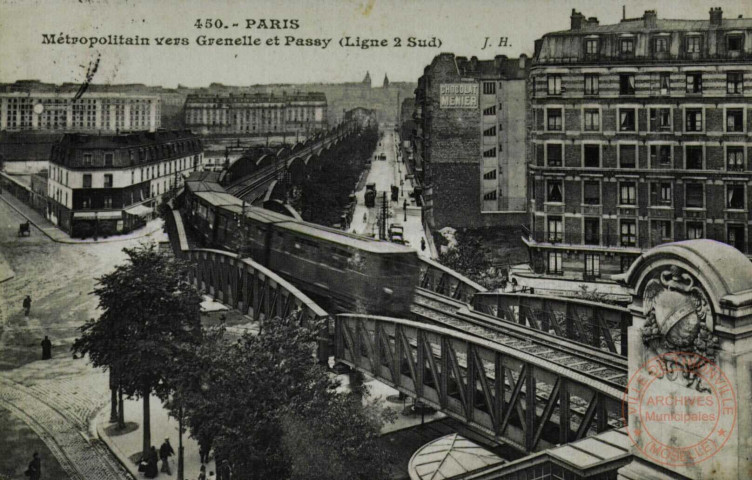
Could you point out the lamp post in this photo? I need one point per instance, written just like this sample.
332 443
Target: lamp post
181 475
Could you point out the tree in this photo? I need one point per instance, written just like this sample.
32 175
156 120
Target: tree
257 398
149 311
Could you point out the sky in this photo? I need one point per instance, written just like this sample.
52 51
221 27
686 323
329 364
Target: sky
461 26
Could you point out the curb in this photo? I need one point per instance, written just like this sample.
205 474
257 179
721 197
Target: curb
67 242
121 457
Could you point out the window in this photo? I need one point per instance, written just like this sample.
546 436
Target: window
108 202
660 156
490 110
627 119
108 157
735 159
695 231
626 47
554 262
591 48
554 119
734 120
490 196
660 45
491 175
660 119
107 180
693 117
489 88
694 44
489 132
592 265
554 191
693 160
87 159
735 196
735 236
662 231
555 232
660 194
554 154
627 156
591 84
734 83
627 84
87 180
627 193
592 230
734 43
490 153
592 119
694 83
554 84
695 195
628 233
591 193
592 156
664 83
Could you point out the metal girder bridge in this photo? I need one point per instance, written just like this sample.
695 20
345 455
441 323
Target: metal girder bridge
509 395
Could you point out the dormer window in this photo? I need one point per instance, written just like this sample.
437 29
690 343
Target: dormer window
626 46
734 43
591 48
660 45
694 44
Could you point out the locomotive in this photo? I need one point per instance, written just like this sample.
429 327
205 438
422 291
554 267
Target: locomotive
349 272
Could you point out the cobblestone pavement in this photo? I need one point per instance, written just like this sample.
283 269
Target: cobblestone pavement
59 410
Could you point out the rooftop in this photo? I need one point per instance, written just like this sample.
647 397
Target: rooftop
125 139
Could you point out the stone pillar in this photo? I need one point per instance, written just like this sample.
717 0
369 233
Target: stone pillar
690 363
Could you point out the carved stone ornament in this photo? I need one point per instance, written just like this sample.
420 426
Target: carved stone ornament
677 323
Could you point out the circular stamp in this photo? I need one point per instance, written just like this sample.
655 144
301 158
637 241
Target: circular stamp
680 408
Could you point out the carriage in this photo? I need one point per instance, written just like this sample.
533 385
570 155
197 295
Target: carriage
24 229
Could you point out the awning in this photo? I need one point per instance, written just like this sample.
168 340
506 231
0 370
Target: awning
139 210
98 215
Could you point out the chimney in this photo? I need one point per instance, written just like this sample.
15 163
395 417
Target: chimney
716 16
576 20
592 22
650 18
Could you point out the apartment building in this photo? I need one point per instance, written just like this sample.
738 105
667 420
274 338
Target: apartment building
641 135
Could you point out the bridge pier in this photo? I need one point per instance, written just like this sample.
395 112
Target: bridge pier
690 358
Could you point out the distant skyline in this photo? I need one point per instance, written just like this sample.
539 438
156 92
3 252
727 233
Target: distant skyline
462 27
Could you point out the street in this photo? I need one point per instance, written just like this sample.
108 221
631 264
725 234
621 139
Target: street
385 173
56 399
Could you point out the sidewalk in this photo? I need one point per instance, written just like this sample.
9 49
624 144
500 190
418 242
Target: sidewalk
57 235
126 445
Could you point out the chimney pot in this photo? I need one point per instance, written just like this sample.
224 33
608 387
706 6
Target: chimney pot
650 18
716 16
576 20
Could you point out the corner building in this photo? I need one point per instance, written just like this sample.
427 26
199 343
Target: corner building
471 126
641 135
108 184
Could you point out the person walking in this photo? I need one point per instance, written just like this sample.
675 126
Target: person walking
204 447
46 348
422 244
202 473
224 471
27 305
34 472
165 452
152 460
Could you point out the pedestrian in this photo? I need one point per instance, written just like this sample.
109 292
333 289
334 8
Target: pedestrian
165 452
34 472
46 348
211 476
224 471
152 467
514 284
204 447
27 305
202 473
422 244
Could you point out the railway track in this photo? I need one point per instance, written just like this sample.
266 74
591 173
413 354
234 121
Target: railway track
601 366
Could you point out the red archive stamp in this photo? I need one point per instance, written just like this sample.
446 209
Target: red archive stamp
681 409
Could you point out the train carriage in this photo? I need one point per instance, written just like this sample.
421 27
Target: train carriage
354 273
